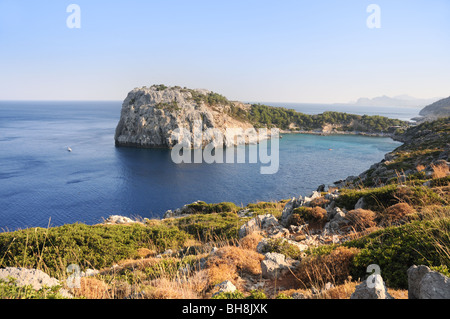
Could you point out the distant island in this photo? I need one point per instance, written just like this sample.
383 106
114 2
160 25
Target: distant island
150 116
396 101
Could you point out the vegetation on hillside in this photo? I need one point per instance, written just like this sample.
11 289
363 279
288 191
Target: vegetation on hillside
286 119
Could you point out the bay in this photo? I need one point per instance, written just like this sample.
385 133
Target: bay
42 184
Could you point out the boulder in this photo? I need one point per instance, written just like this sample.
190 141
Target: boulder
116 219
289 208
363 291
360 204
311 197
267 224
337 220
274 265
423 283
35 278
224 287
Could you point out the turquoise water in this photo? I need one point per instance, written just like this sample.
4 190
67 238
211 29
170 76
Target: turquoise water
41 182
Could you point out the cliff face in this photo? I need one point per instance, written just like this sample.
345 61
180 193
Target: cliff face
160 116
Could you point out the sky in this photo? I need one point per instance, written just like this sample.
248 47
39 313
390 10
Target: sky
299 51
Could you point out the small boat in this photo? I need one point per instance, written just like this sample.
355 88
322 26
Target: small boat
69 149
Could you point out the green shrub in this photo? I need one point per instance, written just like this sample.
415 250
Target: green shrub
282 246
257 294
314 216
201 207
395 249
53 249
283 296
209 226
378 199
374 198
10 290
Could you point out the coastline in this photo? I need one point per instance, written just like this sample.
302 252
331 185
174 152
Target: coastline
391 135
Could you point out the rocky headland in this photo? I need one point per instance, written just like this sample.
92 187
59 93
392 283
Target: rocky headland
160 116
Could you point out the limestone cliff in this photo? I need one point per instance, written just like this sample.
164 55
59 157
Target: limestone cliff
160 116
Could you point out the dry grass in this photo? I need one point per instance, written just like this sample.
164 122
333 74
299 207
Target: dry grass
319 201
398 293
229 261
250 241
164 288
92 288
440 170
316 271
343 291
396 214
361 219
420 168
146 253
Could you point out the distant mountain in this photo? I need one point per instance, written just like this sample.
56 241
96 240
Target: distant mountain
396 101
438 109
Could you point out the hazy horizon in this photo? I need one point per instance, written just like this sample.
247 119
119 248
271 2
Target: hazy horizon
320 52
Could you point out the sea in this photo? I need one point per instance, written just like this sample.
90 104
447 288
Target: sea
42 184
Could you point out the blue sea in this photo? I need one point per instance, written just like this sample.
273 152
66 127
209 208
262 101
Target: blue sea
42 184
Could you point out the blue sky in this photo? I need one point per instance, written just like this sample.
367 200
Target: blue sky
275 51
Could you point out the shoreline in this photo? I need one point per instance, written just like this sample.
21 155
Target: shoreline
338 133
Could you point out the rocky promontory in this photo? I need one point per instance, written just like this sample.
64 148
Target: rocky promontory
160 116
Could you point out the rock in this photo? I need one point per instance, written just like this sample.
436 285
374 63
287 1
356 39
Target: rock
363 291
423 283
161 116
264 243
180 212
273 265
337 220
298 295
289 208
313 196
331 196
116 219
263 223
36 278
224 287
360 204
89 273
321 188
245 213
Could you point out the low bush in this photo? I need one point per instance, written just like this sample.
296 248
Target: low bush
282 246
395 249
204 208
396 214
361 219
223 226
316 217
334 266
53 249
